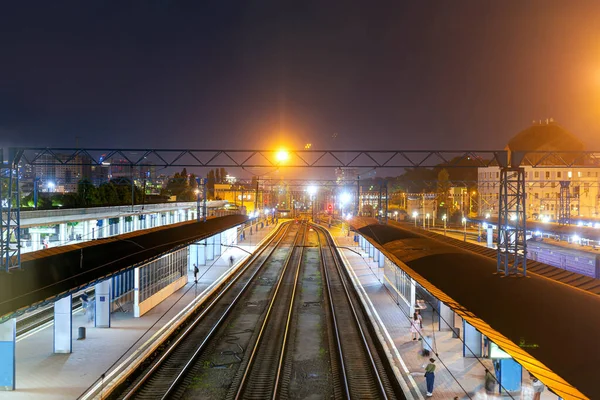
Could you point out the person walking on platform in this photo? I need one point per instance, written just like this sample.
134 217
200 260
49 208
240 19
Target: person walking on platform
430 376
91 310
538 387
231 261
415 327
84 303
418 312
196 270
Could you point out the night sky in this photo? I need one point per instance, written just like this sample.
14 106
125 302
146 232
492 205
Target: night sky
258 74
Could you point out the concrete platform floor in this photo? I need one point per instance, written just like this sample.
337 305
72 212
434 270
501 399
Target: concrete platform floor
460 377
41 374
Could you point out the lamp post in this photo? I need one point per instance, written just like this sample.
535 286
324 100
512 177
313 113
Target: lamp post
197 204
396 215
201 181
444 219
312 190
471 202
415 215
427 218
464 221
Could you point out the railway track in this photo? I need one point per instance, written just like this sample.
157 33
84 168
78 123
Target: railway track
364 372
288 326
45 315
164 377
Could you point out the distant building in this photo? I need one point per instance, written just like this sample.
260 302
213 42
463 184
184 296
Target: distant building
236 195
59 178
543 185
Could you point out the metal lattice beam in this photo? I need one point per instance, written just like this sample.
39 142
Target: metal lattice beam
564 208
262 158
307 158
10 230
512 226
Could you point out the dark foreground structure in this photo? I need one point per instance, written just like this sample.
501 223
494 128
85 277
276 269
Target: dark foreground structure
543 324
47 274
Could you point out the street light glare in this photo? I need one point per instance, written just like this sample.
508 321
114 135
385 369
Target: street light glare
282 155
311 190
345 198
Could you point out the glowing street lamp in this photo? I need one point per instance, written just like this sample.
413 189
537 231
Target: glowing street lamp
427 218
345 198
415 215
51 186
282 156
444 218
464 221
487 215
396 215
312 190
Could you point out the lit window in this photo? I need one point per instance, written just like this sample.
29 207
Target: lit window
570 174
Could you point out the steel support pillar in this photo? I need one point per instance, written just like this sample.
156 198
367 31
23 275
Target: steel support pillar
210 248
63 325
387 202
512 244
10 224
8 336
102 311
564 203
472 341
446 318
358 195
217 244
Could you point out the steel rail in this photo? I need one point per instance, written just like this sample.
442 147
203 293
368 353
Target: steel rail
289 318
340 353
365 343
252 358
141 381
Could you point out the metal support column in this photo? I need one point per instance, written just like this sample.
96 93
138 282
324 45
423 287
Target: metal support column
379 204
358 195
198 200
204 181
387 199
564 204
10 232
512 244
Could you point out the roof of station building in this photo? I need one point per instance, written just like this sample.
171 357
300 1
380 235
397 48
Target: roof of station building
545 136
541 323
53 272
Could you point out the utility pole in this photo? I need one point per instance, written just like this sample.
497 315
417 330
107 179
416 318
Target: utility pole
256 196
198 199
201 181
204 181
357 195
132 186
423 213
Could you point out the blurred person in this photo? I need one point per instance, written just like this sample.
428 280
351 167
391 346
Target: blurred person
430 376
